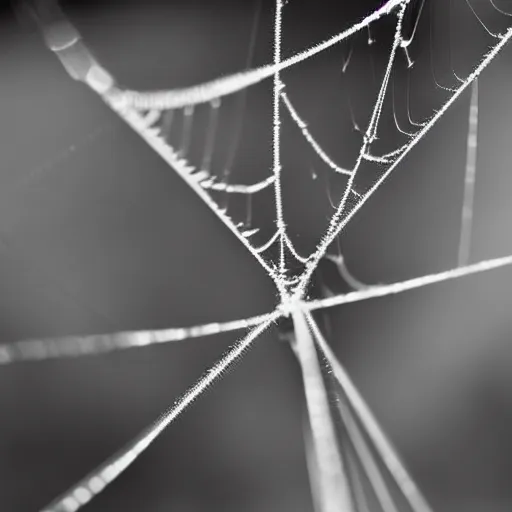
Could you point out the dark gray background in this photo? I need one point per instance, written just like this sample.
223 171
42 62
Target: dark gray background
99 235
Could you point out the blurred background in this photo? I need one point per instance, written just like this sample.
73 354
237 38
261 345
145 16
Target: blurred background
99 235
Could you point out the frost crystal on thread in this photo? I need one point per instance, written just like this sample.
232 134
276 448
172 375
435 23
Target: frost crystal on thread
154 116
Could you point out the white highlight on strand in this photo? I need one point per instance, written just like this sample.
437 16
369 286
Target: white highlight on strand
386 9
333 484
269 243
358 489
95 482
185 171
395 116
289 245
365 456
376 434
312 466
100 80
228 85
409 284
378 159
210 134
347 276
303 127
395 152
151 117
238 188
408 95
276 138
493 52
188 118
63 39
492 34
406 42
76 346
498 9
469 179
370 135
339 223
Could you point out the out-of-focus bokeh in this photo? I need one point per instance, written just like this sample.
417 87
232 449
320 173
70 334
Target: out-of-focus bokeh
99 235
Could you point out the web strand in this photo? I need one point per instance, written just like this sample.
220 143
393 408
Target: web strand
310 139
208 91
210 135
191 177
312 465
332 478
469 179
382 444
338 222
95 482
26 350
366 458
363 156
409 284
276 137
242 100
141 110
77 346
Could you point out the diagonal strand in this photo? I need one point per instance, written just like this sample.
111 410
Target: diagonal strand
88 70
303 127
233 188
333 489
185 171
312 465
276 138
410 284
382 444
63 39
338 223
366 458
77 346
96 481
370 135
208 91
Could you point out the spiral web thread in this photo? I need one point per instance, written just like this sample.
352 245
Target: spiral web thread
365 455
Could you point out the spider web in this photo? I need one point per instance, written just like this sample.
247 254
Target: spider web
183 126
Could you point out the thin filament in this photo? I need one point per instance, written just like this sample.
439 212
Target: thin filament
95 482
469 179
